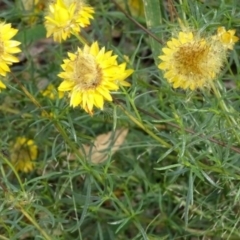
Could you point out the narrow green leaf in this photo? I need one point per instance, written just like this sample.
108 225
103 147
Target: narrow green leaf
153 20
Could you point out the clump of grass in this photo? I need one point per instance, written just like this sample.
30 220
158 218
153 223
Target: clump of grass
120 125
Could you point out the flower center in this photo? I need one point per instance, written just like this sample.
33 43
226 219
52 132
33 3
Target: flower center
87 73
191 59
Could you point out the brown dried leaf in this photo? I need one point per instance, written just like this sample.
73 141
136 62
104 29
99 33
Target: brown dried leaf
103 145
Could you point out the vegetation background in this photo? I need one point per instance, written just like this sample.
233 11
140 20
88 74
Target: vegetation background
174 171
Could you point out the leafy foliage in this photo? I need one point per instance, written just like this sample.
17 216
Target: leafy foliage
175 176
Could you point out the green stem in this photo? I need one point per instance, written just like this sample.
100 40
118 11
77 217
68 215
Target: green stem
82 39
131 102
230 119
145 129
34 222
14 171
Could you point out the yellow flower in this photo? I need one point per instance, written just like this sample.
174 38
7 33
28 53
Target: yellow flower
190 61
7 48
49 92
227 38
66 17
90 74
23 153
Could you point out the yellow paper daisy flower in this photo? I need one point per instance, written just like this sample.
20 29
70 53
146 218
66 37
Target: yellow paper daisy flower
89 76
190 61
66 17
23 154
7 48
227 38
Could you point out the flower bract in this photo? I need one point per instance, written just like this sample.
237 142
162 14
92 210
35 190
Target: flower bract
90 74
191 62
8 47
23 154
66 17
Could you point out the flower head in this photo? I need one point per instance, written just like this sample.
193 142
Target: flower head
7 48
89 76
190 61
49 92
227 38
23 153
66 17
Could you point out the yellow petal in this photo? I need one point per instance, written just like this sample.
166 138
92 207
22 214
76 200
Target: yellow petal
167 51
98 100
76 98
66 86
94 49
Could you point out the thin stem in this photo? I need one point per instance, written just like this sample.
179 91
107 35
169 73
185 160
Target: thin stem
131 102
17 204
82 39
231 121
34 222
14 171
152 35
148 131
188 130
